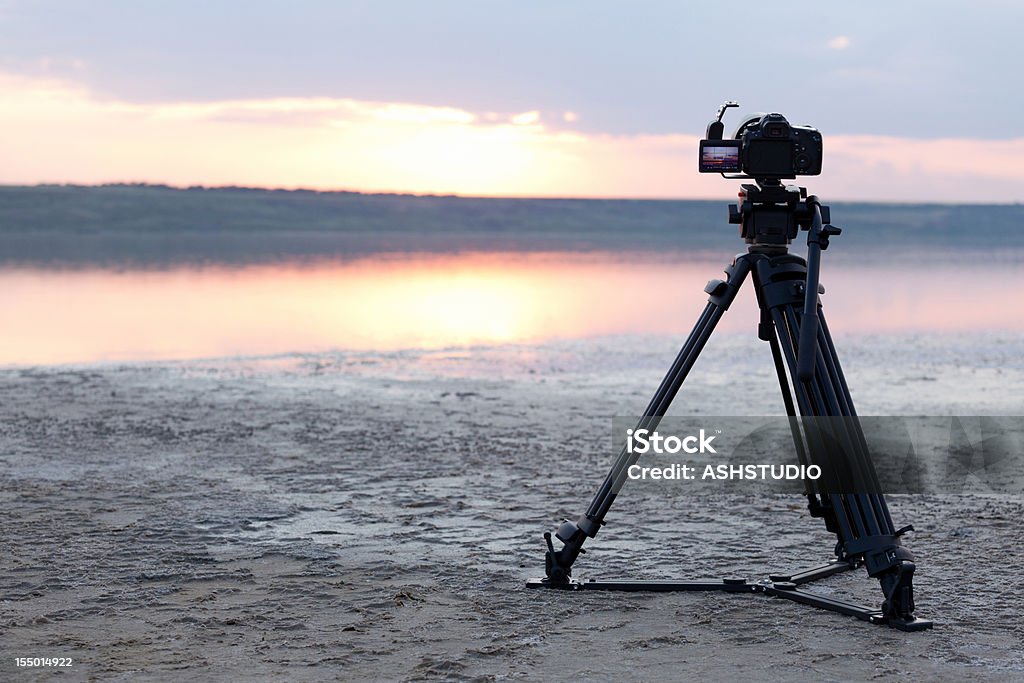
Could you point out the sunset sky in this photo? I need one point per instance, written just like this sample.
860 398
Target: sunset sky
917 100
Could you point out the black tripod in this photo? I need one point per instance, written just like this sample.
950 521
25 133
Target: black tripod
850 502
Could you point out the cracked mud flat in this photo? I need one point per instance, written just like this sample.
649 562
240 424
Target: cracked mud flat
373 517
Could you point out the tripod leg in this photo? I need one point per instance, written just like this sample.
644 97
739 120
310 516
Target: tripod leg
558 563
858 509
884 557
766 332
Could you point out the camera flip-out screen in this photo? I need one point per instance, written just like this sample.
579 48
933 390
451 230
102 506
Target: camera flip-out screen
719 156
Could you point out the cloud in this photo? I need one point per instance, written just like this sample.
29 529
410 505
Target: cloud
527 118
839 43
56 131
58 64
570 117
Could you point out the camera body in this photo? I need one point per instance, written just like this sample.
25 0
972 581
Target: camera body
764 147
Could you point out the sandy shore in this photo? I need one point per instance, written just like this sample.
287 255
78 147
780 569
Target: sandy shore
373 517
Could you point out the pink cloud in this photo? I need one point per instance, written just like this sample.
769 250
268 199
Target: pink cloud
56 131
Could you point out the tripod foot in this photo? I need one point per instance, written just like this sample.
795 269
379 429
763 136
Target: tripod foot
558 564
898 589
910 624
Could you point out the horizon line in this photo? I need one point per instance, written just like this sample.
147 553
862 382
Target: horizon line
455 195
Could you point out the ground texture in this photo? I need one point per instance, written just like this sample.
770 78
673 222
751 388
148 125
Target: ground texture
374 517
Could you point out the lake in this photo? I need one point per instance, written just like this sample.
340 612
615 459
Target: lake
429 301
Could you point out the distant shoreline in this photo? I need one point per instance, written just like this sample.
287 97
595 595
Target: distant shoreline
443 195
160 225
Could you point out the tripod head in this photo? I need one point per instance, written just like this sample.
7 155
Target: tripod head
771 214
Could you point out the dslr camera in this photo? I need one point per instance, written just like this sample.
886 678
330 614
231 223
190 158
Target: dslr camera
765 147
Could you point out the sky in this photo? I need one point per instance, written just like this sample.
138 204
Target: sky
917 101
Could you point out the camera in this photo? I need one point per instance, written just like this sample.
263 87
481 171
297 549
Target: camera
765 146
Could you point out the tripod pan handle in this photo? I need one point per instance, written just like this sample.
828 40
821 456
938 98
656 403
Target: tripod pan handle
807 351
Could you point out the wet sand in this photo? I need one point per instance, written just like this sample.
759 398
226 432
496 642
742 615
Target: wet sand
374 516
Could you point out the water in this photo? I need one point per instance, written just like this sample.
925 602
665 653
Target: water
431 301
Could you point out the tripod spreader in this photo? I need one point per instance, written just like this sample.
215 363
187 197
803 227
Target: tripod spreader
817 241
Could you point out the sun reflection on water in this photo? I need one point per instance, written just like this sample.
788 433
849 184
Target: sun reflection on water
434 301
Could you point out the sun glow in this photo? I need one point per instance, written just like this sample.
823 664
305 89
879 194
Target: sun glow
57 131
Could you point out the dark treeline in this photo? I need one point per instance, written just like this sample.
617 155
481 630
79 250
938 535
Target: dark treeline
153 224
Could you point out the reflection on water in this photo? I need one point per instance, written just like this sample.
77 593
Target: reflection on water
423 301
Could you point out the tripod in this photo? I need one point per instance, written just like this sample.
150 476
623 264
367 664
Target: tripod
770 215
